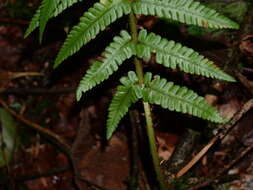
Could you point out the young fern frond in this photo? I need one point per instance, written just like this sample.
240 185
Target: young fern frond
115 54
91 23
175 98
173 55
126 95
60 6
185 11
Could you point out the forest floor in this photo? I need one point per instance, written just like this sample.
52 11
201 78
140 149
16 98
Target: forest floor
73 153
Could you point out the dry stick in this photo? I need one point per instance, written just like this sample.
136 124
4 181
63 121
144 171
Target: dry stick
14 75
227 167
220 135
59 141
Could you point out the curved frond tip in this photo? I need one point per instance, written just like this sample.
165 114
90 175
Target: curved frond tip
127 94
176 98
115 54
185 11
91 23
174 55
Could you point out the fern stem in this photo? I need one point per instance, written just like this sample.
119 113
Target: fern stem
134 34
147 110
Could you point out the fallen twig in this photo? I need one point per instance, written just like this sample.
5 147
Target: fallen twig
220 135
226 168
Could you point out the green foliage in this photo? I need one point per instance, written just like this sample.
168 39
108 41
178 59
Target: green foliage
91 23
115 54
235 10
172 54
185 11
64 4
7 137
46 10
126 95
42 14
34 23
168 53
175 98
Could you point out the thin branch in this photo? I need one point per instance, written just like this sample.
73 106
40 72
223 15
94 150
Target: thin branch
219 136
225 169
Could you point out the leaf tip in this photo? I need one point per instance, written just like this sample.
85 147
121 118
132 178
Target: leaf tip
78 95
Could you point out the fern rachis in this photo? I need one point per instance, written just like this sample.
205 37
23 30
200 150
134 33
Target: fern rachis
168 53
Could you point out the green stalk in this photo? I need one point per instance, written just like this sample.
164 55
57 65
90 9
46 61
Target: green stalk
147 110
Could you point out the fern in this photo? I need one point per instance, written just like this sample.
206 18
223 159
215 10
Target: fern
34 23
185 11
46 10
154 90
64 4
126 95
115 54
61 5
176 98
94 20
172 54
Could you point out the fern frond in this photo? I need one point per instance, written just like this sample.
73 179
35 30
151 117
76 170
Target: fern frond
46 10
64 4
34 23
175 98
185 11
127 94
115 54
173 55
61 5
91 23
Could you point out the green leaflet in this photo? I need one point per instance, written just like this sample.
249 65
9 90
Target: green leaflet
176 98
64 4
172 54
46 10
126 95
185 11
61 5
7 137
34 23
115 54
91 23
